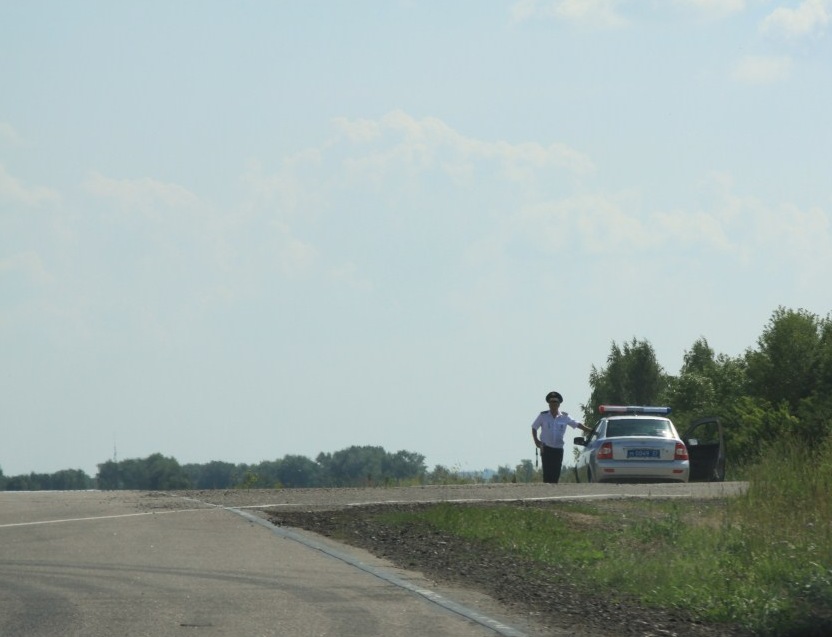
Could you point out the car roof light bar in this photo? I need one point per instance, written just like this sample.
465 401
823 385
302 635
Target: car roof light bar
633 409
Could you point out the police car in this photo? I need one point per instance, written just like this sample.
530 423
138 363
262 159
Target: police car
633 443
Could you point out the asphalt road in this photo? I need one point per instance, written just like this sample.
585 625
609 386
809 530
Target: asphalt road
99 564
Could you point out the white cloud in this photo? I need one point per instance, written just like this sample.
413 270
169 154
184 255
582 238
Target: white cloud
214 238
9 135
598 222
29 264
296 189
14 190
358 130
616 224
348 274
145 193
715 8
697 227
388 174
523 10
598 14
743 230
594 13
809 18
429 143
295 257
760 69
801 236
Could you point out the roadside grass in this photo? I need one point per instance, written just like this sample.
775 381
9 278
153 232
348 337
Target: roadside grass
762 560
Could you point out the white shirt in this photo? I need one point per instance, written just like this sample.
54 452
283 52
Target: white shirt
552 428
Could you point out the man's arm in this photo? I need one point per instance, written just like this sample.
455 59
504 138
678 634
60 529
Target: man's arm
581 426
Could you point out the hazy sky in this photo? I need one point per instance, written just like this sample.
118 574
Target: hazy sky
238 231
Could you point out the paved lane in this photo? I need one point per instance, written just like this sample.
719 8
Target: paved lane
335 498
128 564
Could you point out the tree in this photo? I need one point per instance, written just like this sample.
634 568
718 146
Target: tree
784 366
213 475
691 393
633 376
525 471
403 466
700 359
268 475
369 465
752 423
504 474
354 466
815 412
441 475
163 473
824 359
151 473
69 479
707 384
298 471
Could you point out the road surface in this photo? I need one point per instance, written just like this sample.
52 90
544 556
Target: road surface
99 564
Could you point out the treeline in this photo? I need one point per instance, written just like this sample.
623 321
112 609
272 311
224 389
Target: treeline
355 466
64 480
779 390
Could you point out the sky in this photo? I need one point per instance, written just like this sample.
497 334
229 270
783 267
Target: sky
241 231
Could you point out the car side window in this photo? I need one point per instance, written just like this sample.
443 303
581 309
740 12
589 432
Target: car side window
595 432
706 434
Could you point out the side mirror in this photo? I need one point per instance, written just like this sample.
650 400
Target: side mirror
580 441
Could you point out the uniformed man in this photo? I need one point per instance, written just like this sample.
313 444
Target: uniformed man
552 424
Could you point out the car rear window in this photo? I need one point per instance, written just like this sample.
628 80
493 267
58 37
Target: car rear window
639 427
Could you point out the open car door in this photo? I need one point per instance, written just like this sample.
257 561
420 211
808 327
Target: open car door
706 450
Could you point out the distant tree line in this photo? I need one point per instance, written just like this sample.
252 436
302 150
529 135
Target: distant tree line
64 480
781 388
356 466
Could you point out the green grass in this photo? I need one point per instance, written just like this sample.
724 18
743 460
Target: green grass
763 560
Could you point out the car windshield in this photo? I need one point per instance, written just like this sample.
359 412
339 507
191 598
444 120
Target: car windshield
639 427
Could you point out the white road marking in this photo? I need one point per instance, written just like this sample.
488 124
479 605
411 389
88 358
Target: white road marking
97 517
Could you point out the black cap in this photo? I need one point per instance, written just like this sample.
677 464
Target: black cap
553 395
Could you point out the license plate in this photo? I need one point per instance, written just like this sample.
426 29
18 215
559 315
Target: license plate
642 453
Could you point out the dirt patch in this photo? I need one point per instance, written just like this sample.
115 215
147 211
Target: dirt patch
522 588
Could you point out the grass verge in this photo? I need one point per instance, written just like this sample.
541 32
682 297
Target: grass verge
762 560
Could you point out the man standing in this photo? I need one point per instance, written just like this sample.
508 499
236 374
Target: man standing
552 424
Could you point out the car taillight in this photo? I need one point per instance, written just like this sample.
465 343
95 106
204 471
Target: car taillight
605 451
681 452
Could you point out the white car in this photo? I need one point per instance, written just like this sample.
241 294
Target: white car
640 444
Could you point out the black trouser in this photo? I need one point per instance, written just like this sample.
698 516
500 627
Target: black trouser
552 460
